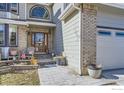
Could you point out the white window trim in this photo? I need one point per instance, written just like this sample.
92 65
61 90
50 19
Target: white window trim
4 9
16 36
3 35
15 8
40 19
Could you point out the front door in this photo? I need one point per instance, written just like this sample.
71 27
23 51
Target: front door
40 41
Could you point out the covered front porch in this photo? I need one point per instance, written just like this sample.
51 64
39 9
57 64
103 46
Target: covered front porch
41 38
29 33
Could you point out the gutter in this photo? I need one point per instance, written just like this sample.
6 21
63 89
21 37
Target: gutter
70 8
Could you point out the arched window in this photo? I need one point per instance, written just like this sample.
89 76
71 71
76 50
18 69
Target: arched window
39 12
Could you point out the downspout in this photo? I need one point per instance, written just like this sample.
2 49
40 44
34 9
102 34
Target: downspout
80 28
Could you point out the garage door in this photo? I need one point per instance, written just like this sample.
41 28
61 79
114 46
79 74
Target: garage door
110 48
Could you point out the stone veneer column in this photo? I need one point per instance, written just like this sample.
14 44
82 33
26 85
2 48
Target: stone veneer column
88 36
22 37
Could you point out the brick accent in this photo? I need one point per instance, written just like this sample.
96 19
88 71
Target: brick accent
88 36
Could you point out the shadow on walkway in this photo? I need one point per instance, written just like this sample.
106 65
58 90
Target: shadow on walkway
47 66
113 74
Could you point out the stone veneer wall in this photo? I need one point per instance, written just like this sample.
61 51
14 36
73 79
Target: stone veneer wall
88 36
22 37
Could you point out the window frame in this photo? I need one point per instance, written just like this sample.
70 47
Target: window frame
16 36
5 7
16 8
3 35
40 18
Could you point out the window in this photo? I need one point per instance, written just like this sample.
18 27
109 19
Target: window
106 33
3 6
120 34
12 35
37 37
39 12
14 8
2 34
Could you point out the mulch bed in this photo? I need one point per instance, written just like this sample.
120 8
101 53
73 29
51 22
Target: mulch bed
20 77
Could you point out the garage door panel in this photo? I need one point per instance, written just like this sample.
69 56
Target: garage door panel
110 51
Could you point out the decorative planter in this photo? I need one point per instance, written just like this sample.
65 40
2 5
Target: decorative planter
60 60
34 61
94 70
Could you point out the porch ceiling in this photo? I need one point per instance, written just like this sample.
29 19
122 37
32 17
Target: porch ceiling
25 22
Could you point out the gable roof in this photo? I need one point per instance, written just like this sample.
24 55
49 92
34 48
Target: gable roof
117 5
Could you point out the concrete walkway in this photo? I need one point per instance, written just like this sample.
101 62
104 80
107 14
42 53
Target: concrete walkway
62 75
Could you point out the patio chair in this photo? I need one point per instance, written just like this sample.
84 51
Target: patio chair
13 54
30 52
23 53
27 53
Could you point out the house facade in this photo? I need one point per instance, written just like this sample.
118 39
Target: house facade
91 33
84 33
26 25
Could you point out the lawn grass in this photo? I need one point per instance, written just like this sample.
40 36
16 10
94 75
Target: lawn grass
25 77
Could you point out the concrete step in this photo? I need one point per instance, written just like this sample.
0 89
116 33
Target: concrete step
42 63
24 67
43 56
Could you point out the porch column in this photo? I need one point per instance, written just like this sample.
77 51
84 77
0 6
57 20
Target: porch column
22 37
88 36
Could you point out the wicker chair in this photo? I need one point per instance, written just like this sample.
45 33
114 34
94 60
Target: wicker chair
27 53
13 54
30 52
23 53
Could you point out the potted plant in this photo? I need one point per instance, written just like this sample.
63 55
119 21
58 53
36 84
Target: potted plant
33 61
60 60
94 70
